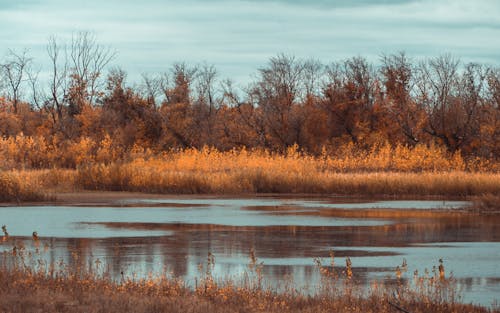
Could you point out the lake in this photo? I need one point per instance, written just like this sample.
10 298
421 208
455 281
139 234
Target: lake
143 236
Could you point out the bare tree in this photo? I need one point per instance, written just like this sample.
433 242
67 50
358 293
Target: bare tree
276 92
230 96
164 85
207 75
399 80
74 78
88 60
349 96
468 116
453 98
14 73
361 75
206 104
152 88
494 87
182 79
58 85
492 116
312 72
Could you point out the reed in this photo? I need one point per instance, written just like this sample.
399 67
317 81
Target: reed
15 187
382 171
36 152
31 285
229 175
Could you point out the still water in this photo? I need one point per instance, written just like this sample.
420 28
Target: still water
142 236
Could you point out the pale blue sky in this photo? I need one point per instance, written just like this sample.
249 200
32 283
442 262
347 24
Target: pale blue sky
238 37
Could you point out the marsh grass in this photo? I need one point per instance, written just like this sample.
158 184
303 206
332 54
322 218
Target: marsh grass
29 284
16 187
382 171
278 176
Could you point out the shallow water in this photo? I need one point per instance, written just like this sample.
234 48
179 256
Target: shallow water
142 236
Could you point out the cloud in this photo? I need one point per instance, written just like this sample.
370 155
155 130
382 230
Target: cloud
337 3
18 4
240 36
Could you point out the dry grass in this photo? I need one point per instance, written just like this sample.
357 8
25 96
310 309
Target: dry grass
29 285
157 177
399 171
14 187
211 171
25 152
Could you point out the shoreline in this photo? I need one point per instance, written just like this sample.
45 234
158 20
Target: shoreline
104 198
474 205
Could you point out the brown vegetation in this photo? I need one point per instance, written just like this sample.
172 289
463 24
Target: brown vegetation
81 115
29 285
383 171
14 188
301 126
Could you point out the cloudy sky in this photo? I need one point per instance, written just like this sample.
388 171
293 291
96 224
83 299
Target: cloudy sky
239 36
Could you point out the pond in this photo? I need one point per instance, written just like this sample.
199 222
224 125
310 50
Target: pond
143 236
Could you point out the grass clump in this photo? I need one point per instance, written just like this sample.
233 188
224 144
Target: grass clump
382 171
30 285
15 188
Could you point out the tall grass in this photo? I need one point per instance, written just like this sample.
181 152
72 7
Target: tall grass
153 177
36 152
16 187
31 285
384 170
211 171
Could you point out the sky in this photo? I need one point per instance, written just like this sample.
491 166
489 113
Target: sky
238 37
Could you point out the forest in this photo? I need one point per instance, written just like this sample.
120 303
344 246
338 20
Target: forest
401 127
79 113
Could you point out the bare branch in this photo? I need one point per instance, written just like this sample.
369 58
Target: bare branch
15 72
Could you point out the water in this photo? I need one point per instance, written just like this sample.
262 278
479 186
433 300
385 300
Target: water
140 236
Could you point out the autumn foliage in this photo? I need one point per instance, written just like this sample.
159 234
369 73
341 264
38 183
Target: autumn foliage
298 117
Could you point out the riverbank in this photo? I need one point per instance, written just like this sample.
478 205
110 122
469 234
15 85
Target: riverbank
385 171
401 207
43 185
487 203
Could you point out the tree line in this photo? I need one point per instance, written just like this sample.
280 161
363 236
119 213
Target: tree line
291 101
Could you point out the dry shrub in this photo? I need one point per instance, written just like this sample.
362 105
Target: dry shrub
15 188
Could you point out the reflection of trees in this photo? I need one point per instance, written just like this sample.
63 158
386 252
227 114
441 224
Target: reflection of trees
402 233
143 255
197 240
189 245
80 251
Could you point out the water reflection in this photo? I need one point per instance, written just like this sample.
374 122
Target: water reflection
177 237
